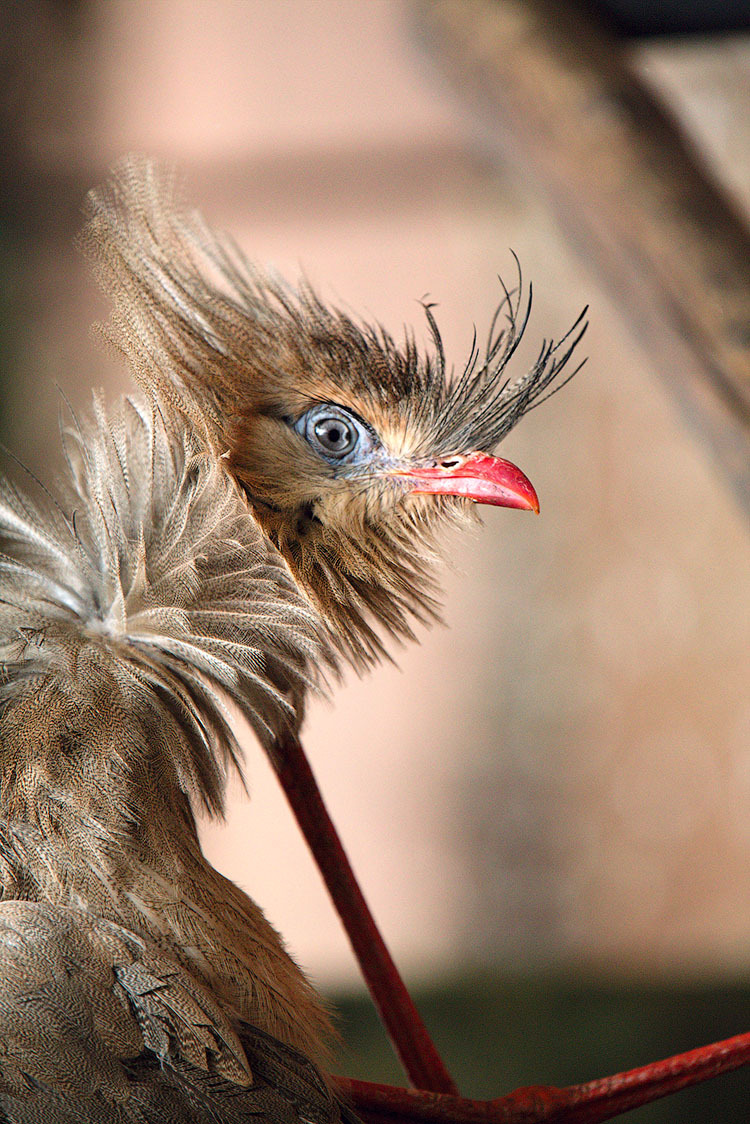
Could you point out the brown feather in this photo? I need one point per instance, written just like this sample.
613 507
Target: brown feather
130 610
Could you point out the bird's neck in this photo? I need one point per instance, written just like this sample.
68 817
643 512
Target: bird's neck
129 851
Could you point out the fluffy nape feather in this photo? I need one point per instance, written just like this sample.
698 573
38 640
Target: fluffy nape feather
244 356
133 606
131 610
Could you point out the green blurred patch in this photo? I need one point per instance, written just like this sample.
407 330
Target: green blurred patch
496 1035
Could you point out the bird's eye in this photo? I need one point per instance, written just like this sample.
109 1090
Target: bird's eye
335 434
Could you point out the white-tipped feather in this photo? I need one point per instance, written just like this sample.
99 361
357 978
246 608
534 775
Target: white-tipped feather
152 565
131 610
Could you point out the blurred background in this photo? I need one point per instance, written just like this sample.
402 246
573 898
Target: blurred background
548 801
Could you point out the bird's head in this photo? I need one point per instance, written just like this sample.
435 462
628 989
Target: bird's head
352 450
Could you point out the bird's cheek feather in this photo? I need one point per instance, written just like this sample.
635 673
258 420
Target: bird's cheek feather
476 476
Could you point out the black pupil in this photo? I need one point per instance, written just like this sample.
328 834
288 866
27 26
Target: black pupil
334 434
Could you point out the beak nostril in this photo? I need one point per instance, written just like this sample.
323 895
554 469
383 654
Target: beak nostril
451 462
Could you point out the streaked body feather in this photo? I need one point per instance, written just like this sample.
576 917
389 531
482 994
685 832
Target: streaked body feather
132 610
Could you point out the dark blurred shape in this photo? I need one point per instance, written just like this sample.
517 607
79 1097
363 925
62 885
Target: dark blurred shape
673 17
559 95
44 94
46 87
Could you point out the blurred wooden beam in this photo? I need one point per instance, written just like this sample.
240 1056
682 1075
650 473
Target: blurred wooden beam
560 95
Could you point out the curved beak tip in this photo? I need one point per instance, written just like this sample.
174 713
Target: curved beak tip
477 477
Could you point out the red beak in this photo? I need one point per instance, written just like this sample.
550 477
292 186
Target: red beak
476 477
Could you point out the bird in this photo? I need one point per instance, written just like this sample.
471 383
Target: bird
267 504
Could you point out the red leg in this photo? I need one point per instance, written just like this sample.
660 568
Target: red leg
589 1103
435 1099
403 1022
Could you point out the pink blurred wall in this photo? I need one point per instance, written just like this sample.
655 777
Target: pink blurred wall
564 773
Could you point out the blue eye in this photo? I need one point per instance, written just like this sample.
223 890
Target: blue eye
335 434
